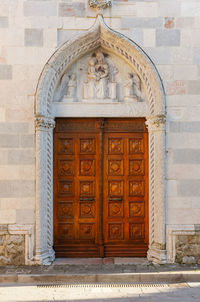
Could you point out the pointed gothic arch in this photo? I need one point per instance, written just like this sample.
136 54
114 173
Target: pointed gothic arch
99 36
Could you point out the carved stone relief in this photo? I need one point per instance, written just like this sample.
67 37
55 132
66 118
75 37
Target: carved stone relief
101 77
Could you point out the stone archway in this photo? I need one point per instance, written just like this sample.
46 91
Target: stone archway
99 36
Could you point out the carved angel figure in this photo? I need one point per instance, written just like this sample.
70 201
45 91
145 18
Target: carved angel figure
132 87
71 87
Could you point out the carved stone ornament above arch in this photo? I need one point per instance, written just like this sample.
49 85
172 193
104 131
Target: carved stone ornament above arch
140 95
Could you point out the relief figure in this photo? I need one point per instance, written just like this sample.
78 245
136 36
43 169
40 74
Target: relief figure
132 87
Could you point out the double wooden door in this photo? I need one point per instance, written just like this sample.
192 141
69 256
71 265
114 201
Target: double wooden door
100 188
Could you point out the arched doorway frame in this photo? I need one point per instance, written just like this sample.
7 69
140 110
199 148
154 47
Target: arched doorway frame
99 36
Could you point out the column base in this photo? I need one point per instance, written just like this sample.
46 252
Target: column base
157 255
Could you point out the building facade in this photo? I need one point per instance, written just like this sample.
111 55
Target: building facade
99 122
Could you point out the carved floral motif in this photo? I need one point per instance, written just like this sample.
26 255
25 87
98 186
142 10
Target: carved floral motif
100 4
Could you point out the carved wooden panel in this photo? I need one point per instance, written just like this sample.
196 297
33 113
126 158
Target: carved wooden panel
65 146
87 209
136 231
65 210
86 231
136 167
66 188
115 231
115 187
115 146
136 145
87 167
115 209
87 146
115 167
65 232
136 209
136 188
87 188
65 168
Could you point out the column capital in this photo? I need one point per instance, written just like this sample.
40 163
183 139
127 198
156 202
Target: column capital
156 123
44 122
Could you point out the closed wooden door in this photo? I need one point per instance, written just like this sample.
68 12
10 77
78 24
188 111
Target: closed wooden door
100 188
125 201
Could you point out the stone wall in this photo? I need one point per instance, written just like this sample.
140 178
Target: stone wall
12 247
30 32
188 249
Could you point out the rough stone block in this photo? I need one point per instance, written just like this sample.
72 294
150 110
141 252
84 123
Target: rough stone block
189 187
193 87
3 22
196 59
144 9
14 128
185 72
40 8
9 141
167 37
33 37
149 37
21 157
182 55
142 22
5 72
176 87
185 22
17 203
17 188
72 9
189 8
14 172
3 156
65 35
159 55
27 141
186 156
27 216
7 216
137 35
169 8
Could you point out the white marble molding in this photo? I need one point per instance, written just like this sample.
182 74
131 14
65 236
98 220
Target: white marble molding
99 36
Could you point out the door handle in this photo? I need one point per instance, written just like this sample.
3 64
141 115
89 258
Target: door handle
115 198
86 198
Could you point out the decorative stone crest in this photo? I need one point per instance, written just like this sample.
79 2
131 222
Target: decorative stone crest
100 4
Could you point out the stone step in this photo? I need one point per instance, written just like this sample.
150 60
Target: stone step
56 277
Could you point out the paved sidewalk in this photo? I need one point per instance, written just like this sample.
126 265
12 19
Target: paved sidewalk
184 292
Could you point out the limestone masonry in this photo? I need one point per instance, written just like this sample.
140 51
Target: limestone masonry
147 54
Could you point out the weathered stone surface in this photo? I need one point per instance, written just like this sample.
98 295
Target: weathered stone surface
17 188
193 127
3 22
189 187
12 249
5 72
9 141
33 37
74 9
188 248
142 22
167 37
186 156
40 8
